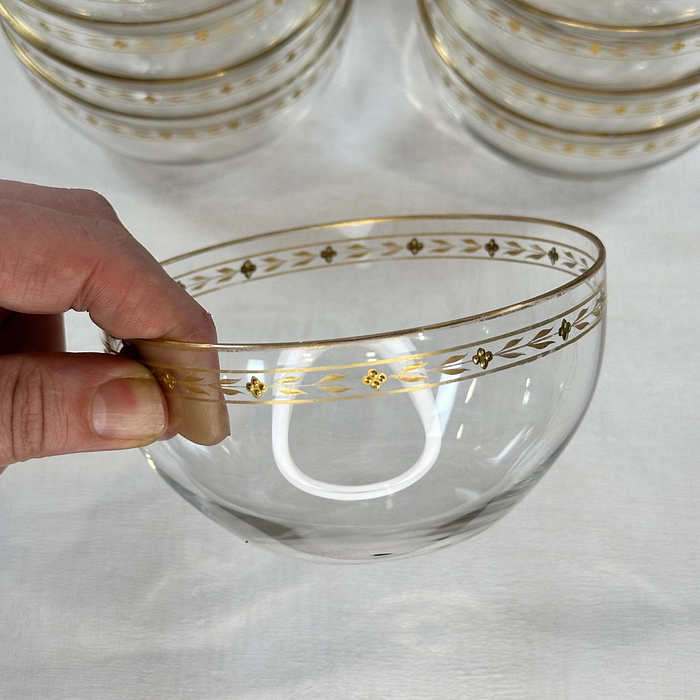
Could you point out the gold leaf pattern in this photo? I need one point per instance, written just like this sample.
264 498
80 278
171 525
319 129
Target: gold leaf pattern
332 378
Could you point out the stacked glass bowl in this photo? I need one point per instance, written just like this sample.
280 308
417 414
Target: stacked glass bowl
156 81
556 84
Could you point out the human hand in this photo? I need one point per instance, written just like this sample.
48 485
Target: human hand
66 249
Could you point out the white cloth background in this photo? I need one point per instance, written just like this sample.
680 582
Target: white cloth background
112 587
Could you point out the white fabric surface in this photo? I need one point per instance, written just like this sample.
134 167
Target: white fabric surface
112 587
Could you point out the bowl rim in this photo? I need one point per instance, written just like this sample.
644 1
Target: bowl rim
335 32
34 40
548 83
559 133
125 3
79 19
558 291
564 22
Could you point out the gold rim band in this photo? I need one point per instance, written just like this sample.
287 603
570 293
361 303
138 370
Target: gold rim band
147 121
691 81
580 279
560 133
145 83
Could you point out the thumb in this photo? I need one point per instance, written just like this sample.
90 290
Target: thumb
56 403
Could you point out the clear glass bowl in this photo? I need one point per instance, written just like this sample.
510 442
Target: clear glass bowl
193 96
587 55
375 442
542 145
557 104
620 13
196 45
136 11
205 137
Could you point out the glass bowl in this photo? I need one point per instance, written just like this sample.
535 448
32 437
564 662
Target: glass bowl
135 11
205 137
186 97
196 45
587 55
393 386
620 13
557 104
546 147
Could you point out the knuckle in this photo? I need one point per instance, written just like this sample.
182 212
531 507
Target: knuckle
30 396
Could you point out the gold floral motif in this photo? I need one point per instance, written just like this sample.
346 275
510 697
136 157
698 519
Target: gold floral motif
328 253
248 268
256 387
564 330
482 358
553 255
414 246
519 347
491 248
168 380
374 379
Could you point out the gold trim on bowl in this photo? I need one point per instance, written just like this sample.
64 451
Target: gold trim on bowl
150 122
615 46
693 80
560 133
38 43
112 23
585 273
567 22
107 41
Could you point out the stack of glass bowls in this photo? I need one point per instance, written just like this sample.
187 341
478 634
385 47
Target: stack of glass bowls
178 88
565 91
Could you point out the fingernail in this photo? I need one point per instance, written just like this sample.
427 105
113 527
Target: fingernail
128 409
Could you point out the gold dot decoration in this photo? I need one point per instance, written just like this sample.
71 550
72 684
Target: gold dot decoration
414 246
248 268
168 381
482 358
256 387
328 253
564 330
374 379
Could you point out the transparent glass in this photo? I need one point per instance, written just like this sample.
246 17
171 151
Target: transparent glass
233 87
200 44
211 135
623 13
326 431
538 144
136 11
553 103
587 55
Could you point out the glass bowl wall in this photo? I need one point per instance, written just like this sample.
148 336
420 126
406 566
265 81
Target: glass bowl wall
553 103
351 439
197 95
580 54
196 45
